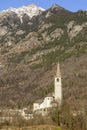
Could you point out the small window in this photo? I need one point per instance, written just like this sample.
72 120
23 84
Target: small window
57 79
44 110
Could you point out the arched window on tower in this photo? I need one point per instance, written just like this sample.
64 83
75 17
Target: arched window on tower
57 79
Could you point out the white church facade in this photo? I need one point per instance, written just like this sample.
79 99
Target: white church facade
55 100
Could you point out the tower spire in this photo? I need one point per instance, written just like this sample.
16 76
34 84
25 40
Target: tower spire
58 73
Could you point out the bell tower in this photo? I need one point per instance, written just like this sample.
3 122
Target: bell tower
58 86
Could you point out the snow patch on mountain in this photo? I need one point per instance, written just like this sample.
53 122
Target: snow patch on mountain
31 10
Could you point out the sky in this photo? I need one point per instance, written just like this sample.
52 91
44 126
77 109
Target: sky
72 5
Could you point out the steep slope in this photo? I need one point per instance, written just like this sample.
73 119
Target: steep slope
29 51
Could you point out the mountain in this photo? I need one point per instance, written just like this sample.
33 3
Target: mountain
31 45
31 10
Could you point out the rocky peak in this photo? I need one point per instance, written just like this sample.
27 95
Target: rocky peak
30 10
82 13
57 7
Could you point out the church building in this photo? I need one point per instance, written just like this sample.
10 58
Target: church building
53 101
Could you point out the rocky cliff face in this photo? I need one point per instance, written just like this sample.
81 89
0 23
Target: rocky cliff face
31 43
